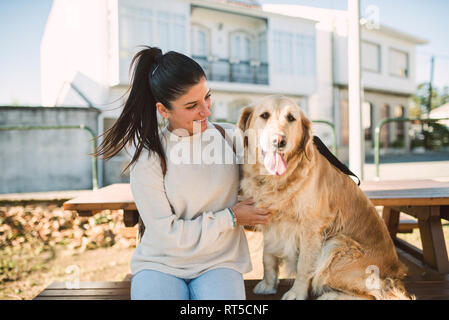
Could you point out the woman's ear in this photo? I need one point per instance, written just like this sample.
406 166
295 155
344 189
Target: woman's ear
245 118
163 111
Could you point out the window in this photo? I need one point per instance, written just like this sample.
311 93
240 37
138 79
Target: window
179 33
199 45
371 57
294 53
305 55
241 46
163 30
199 41
283 47
287 52
141 26
398 62
240 57
385 132
170 31
262 46
135 28
368 121
399 112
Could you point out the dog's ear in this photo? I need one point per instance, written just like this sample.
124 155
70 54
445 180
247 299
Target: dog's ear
245 118
306 144
243 123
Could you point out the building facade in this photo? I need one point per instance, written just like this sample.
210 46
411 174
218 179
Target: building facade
246 50
246 53
388 69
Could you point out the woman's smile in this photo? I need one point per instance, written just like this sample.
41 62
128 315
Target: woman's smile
199 124
191 111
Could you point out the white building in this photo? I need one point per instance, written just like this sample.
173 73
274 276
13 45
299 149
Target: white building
440 113
388 75
246 51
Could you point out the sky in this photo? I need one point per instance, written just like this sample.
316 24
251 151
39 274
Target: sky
22 24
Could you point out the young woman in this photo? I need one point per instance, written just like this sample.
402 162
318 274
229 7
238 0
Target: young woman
194 245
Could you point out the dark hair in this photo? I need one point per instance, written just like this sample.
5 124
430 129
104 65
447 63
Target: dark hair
156 78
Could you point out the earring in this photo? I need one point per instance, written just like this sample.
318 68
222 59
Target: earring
163 122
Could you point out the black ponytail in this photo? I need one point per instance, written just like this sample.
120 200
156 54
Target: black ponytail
156 78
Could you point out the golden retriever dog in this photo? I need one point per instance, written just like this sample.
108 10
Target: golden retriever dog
323 226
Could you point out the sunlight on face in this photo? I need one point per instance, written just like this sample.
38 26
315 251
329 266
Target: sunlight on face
193 106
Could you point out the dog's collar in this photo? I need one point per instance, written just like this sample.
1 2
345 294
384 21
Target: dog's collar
332 159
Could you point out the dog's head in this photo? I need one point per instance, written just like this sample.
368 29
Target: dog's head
275 130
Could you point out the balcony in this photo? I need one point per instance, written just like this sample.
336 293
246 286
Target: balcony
233 70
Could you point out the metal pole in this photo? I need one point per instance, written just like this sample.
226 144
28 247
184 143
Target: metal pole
429 104
356 154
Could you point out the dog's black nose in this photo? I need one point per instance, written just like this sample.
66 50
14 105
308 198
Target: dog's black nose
279 141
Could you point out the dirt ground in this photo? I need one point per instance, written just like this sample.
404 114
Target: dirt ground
102 264
31 266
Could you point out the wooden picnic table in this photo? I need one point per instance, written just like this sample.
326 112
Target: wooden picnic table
426 200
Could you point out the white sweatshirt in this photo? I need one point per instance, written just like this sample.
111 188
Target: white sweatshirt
188 228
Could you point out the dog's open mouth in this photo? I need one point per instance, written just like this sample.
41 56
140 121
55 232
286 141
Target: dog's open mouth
274 162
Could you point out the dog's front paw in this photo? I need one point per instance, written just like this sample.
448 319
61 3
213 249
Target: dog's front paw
263 288
293 294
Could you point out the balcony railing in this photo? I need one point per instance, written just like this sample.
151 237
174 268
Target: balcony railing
227 70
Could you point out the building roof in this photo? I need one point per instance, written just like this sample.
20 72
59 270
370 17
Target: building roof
328 15
440 112
243 3
246 7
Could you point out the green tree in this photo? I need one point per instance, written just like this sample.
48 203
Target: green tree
421 97
435 135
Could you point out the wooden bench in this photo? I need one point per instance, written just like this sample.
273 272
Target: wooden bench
120 290
430 287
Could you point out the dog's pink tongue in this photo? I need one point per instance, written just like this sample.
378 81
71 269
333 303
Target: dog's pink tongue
275 163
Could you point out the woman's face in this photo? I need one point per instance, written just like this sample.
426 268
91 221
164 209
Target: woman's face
190 111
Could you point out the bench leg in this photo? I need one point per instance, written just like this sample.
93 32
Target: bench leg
432 238
391 219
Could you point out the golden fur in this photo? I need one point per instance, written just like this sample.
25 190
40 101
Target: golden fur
323 226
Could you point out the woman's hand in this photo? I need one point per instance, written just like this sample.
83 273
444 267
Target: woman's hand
248 215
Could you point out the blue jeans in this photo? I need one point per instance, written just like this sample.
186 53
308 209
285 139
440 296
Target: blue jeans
216 284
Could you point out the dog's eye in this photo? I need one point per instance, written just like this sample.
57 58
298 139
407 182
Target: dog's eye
291 118
265 115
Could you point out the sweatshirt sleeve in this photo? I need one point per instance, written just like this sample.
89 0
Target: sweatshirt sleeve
173 234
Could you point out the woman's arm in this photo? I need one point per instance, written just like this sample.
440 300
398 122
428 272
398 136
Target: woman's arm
174 235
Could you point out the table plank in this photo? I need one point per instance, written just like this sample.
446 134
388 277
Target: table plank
113 197
415 197
407 192
388 193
